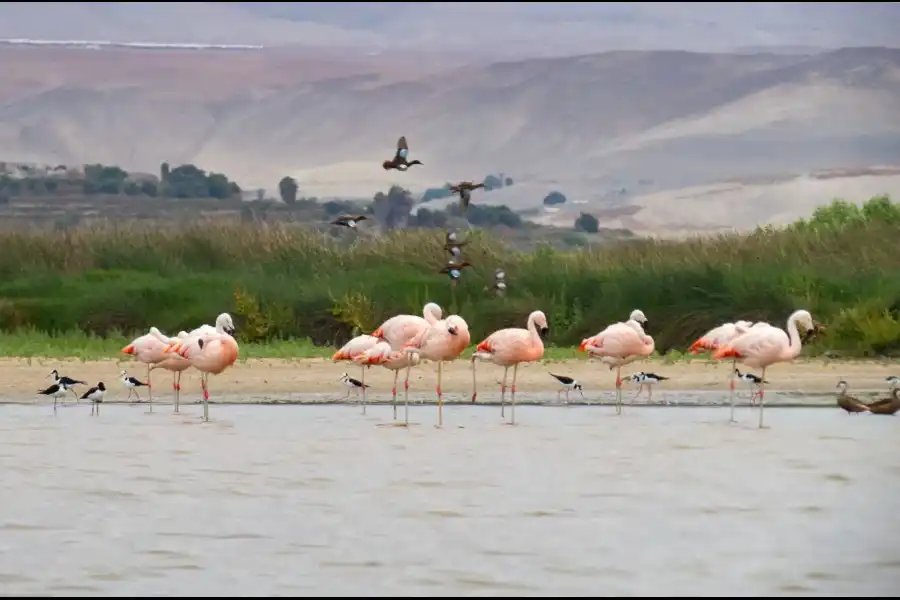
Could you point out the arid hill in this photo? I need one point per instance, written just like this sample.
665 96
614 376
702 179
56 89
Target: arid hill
642 122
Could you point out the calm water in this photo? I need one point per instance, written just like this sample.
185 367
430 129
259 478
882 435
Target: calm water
287 500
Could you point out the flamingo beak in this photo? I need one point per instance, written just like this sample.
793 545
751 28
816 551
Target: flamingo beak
544 331
452 330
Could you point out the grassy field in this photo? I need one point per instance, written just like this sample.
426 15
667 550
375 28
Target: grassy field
281 283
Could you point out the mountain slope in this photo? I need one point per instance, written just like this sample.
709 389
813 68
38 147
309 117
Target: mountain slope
582 124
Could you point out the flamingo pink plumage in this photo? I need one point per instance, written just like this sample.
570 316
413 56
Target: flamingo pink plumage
176 365
353 349
766 345
211 353
715 338
618 345
444 340
148 349
508 348
382 354
400 330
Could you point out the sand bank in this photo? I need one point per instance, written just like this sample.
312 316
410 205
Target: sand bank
20 378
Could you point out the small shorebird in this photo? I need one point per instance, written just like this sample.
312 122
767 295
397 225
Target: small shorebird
95 395
752 380
56 391
568 384
349 222
131 383
893 381
352 384
648 379
68 382
399 161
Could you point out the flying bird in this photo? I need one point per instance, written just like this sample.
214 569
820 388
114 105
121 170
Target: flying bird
349 222
400 162
464 189
452 246
454 270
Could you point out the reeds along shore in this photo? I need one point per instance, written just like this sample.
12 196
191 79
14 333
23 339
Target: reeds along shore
283 283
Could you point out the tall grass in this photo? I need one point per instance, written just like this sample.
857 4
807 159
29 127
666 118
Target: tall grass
281 283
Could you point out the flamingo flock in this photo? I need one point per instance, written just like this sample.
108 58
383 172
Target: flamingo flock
404 341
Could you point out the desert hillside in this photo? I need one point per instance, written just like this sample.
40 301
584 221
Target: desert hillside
633 123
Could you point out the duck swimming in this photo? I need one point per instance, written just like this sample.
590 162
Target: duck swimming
399 161
464 189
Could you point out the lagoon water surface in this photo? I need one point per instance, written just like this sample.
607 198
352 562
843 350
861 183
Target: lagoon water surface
289 500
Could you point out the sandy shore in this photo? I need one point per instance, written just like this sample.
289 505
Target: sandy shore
20 378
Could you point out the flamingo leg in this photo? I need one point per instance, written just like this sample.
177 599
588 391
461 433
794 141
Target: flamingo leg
512 408
394 393
177 390
618 390
731 389
761 394
640 389
205 383
474 381
363 380
406 395
440 396
503 392
149 388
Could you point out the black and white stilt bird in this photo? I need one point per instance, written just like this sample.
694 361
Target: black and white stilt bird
352 384
893 381
95 395
56 391
649 380
68 382
753 380
568 384
132 383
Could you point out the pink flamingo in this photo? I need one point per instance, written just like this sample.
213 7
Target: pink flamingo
352 349
618 345
211 353
716 337
382 354
148 349
176 365
400 330
444 340
766 345
508 348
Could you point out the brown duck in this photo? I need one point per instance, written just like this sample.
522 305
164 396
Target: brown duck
349 221
399 161
464 189
454 270
848 402
886 406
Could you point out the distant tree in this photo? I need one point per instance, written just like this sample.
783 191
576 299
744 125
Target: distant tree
554 198
492 182
219 186
508 182
51 186
587 223
164 172
149 188
391 210
287 188
133 188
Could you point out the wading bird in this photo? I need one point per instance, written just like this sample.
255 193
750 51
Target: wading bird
507 348
132 383
210 354
713 339
442 341
568 384
400 330
67 382
750 378
649 380
350 351
383 354
762 347
95 395
55 391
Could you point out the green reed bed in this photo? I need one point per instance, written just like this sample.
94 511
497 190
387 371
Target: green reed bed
281 283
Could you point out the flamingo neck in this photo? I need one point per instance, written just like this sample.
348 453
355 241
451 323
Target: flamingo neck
533 332
794 343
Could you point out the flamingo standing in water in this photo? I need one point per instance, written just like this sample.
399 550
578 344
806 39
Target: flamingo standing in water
508 348
382 354
400 330
172 362
211 353
716 337
618 345
766 345
444 340
351 350
148 349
